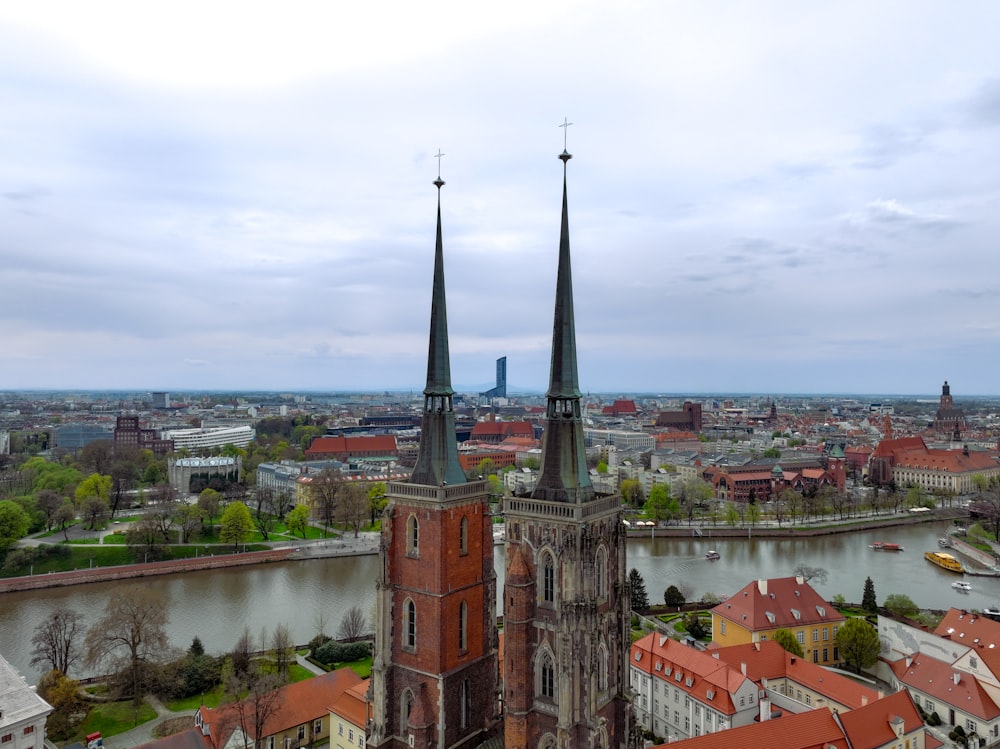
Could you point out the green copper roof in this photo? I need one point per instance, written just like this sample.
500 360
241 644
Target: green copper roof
563 476
437 461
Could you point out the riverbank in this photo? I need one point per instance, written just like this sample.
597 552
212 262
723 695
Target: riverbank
130 571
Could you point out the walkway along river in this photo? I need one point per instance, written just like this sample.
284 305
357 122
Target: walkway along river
215 605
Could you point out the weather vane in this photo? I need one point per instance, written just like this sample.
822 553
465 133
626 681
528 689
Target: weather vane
565 126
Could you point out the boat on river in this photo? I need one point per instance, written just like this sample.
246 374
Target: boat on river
944 560
944 543
886 546
712 554
962 586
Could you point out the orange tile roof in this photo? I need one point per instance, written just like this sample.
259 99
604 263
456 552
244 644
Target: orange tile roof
298 704
330 445
352 703
768 660
943 683
763 605
874 725
816 729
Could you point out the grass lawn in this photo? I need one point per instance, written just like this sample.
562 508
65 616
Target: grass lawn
112 718
210 699
362 668
297 673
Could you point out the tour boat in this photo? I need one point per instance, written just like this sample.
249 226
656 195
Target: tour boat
961 585
944 560
886 546
713 554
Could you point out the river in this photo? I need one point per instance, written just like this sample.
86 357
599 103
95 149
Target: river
215 605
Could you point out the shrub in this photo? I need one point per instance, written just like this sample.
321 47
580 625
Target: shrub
338 652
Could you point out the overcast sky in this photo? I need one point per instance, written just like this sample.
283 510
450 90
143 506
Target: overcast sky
764 197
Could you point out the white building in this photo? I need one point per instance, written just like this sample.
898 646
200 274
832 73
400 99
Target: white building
197 440
22 712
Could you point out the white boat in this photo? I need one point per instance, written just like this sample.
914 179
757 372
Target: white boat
961 585
713 554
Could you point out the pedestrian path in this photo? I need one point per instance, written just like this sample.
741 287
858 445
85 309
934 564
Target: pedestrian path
143 733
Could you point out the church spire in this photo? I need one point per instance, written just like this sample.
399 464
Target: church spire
563 476
437 461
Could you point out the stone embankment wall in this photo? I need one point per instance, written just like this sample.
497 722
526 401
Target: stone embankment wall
125 572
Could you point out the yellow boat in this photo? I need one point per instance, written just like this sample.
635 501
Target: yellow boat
945 560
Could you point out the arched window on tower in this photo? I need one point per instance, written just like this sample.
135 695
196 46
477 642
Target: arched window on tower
463 627
548 578
602 668
465 704
412 535
463 536
547 677
405 708
601 572
410 624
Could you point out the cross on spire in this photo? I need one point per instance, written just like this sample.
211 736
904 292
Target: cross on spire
565 126
438 156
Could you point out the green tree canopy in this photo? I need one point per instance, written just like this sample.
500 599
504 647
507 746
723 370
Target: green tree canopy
672 596
236 525
637 590
95 485
902 605
787 640
858 643
660 505
297 520
14 523
868 601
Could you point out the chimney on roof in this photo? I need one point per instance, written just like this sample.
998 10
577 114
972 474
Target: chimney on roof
956 677
765 709
756 646
864 700
799 580
909 661
762 587
743 668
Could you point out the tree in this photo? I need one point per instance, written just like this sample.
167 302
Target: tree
63 693
47 502
901 605
787 640
14 523
377 500
695 626
858 643
94 510
188 520
95 485
632 494
297 521
283 649
808 573
637 590
672 596
353 625
660 505
262 700
236 525
209 502
352 510
144 540
56 641
868 601
64 517
131 635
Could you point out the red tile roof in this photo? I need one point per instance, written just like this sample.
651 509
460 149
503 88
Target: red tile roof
786 602
816 729
945 684
352 703
875 725
379 443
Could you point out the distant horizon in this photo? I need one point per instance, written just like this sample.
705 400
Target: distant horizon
512 392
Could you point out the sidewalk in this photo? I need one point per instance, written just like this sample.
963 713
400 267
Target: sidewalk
143 734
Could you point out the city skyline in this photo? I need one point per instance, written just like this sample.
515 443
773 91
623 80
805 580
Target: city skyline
767 199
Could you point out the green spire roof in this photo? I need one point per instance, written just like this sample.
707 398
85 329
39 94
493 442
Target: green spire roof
437 461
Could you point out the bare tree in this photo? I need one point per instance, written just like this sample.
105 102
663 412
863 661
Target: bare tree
56 641
263 698
808 573
283 649
326 492
131 634
242 653
353 626
352 509
64 517
48 501
95 511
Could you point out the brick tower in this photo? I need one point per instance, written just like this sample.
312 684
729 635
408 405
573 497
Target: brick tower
566 603
434 678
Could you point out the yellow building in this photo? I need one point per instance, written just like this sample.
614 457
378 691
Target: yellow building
763 607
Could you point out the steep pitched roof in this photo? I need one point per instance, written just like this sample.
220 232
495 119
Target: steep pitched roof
352 703
768 660
942 682
816 729
298 703
875 725
777 602
976 632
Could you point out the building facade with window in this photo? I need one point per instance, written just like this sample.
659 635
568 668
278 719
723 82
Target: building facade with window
22 712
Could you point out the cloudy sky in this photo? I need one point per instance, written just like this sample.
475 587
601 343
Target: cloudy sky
764 197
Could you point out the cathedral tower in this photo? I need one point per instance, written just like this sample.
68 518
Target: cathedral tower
434 677
566 605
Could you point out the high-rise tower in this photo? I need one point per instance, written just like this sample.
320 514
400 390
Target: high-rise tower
435 671
566 610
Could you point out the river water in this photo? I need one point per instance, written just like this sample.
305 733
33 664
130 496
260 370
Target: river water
215 605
